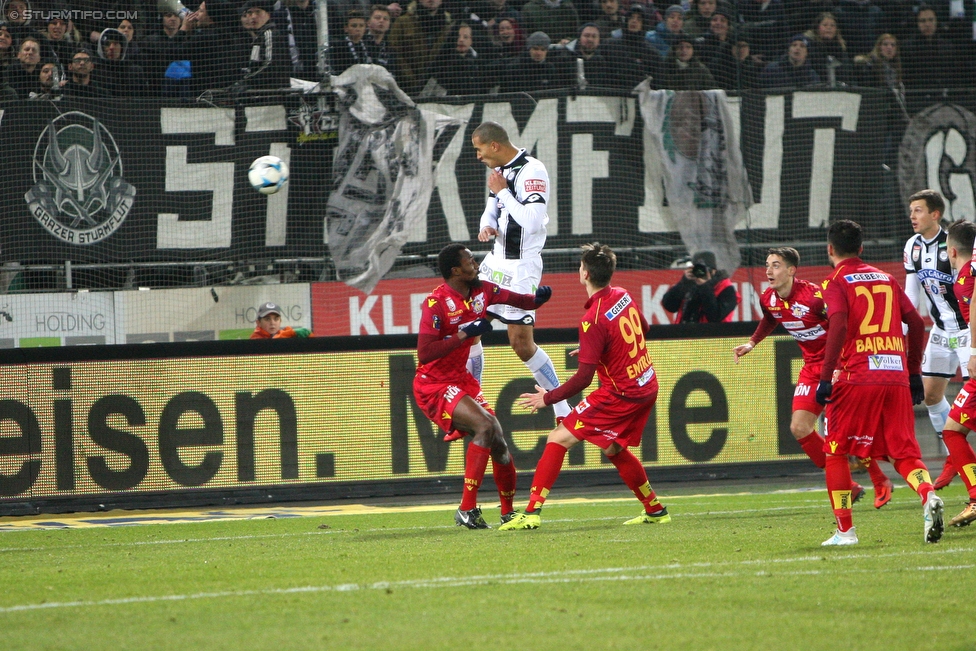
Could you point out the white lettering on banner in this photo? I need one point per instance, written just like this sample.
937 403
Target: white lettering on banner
845 106
541 135
445 176
416 310
218 178
952 145
651 304
588 164
765 214
389 328
359 316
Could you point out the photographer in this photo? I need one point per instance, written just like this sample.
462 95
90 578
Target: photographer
704 295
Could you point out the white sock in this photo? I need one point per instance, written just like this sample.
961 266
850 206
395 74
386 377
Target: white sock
939 414
476 361
545 374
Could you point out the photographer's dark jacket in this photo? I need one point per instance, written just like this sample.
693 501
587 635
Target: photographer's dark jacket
710 302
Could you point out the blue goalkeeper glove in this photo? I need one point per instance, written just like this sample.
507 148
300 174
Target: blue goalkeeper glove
476 327
823 392
918 389
543 294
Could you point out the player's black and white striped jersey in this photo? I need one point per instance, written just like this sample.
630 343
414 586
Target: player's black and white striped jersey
519 213
927 269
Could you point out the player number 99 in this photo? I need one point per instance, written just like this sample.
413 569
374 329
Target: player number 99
631 330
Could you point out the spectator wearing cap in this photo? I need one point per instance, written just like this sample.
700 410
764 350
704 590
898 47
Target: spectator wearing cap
118 76
704 294
610 19
763 23
533 71
268 325
8 53
166 57
714 47
681 69
80 82
216 46
269 65
828 50
585 48
57 44
792 70
631 58
417 37
673 23
699 17
557 18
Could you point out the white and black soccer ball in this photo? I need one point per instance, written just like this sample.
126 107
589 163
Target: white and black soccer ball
268 174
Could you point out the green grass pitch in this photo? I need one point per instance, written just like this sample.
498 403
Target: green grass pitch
731 571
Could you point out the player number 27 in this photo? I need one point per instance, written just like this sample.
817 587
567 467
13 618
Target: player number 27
867 327
631 330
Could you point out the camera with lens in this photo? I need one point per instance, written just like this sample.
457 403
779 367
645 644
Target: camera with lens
699 270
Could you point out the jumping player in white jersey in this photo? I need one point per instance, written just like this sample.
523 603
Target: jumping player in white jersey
927 270
516 217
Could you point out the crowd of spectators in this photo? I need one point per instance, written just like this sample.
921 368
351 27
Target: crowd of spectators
461 47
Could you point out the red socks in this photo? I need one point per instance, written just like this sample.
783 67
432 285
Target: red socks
813 445
632 472
839 484
475 464
505 478
545 475
963 458
878 478
917 476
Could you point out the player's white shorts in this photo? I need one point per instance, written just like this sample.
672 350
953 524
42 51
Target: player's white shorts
520 276
945 353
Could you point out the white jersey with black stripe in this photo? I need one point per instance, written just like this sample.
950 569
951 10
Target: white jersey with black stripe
519 212
927 269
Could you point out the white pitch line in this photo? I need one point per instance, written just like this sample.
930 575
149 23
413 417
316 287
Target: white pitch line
639 573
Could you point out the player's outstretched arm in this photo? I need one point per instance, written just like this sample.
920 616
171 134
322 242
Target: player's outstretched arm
742 350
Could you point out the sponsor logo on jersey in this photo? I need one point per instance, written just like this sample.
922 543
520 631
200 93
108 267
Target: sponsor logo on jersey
500 278
644 379
581 406
916 252
451 393
792 325
885 363
579 425
436 320
943 255
934 275
833 447
963 418
808 334
431 302
451 305
869 277
586 325
445 416
772 300
802 390
612 313
799 311
961 398
535 185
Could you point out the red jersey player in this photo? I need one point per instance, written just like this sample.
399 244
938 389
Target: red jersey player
451 316
869 380
613 416
962 416
798 306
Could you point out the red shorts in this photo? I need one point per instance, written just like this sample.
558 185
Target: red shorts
871 420
604 418
964 406
805 394
438 400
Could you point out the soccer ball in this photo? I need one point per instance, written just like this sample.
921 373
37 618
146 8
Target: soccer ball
268 174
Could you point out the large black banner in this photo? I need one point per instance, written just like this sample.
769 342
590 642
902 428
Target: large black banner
140 181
